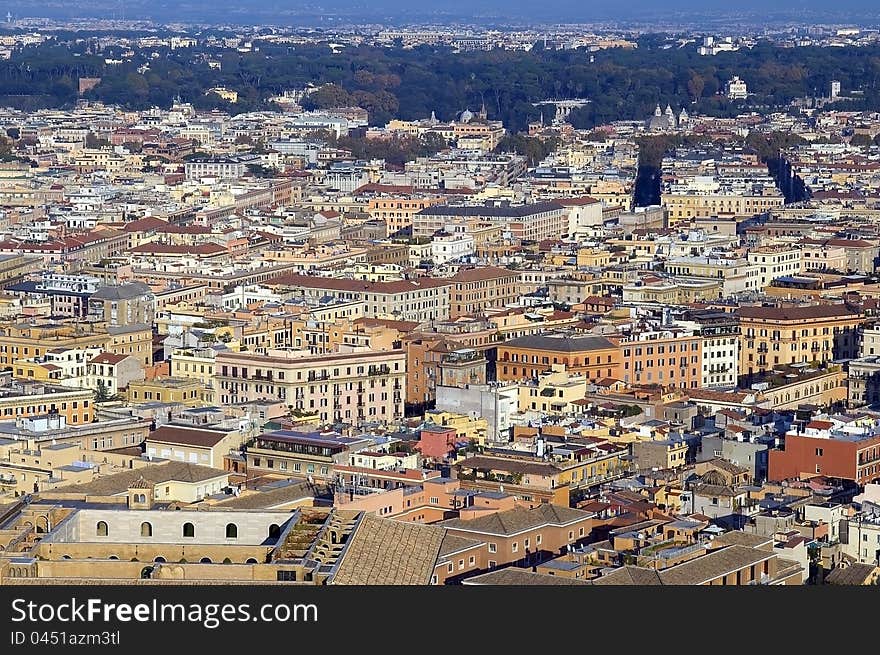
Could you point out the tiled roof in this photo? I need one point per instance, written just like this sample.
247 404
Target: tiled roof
560 342
274 497
454 544
802 313
740 538
854 574
630 575
388 552
179 435
521 577
713 565
519 519
119 483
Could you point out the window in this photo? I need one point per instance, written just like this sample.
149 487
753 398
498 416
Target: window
538 539
819 452
101 529
450 568
493 548
526 543
434 500
231 531
471 560
146 529
514 547
189 530
570 535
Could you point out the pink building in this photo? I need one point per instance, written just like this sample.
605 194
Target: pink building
437 442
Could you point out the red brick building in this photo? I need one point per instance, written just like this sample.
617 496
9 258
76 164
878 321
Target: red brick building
847 456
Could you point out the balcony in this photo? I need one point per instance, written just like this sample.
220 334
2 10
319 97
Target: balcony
318 377
384 369
8 481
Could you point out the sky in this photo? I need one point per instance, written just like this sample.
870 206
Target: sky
546 11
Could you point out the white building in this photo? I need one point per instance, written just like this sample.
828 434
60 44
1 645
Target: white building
775 262
450 247
736 89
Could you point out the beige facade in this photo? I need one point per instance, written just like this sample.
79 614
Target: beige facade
363 386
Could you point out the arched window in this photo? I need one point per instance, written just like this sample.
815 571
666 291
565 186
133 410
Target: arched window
251 560
226 560
189 530
274 531
146 529
205 560
160 559
231 531
101 529
140 498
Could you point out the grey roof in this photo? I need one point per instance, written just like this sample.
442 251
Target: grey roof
561 342
854 574
123 291
119 483
494 211
740 538
520 577
454 544
275 497
519 519
630 575
125 329
713 565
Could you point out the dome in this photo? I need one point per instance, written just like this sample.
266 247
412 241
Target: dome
466 116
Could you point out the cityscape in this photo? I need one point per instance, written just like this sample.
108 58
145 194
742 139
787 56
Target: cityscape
326 299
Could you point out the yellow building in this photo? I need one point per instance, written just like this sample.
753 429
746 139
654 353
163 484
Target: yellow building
75 405
22 342
465 426
684 206
593 257
195 364
554 392
167 390
797 334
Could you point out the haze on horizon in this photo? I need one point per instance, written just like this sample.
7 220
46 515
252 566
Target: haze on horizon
255 12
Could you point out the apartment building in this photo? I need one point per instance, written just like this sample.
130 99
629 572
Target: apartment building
357 386
592 356
720 344
24 341
23 399
202 446
527 536
478 289
821 448
797 334
423 299
532 222
774 262
664 356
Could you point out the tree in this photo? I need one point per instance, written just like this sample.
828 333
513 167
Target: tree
695 85
92 141
102 393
